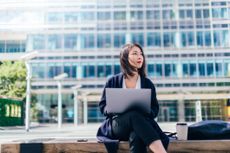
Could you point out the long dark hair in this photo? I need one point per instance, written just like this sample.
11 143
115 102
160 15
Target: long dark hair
127 68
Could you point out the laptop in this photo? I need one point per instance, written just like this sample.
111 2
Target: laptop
119 100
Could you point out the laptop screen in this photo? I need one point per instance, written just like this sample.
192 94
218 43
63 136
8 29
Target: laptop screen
120 100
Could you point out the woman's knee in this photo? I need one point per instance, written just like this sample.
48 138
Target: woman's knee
133 114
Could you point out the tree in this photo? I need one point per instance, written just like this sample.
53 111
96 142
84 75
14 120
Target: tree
13 79
13 84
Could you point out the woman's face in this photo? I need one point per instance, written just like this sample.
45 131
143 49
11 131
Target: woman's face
136 57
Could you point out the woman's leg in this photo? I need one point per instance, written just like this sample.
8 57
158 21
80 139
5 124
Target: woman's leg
136 122
136 145
122 130
164 138
157 147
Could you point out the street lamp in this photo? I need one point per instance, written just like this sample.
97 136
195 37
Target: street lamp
198 111
59 78
75 92
26 57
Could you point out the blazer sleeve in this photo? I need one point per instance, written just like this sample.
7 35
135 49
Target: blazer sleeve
102 103
154 102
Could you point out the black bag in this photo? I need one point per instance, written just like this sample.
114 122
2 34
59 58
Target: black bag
209 130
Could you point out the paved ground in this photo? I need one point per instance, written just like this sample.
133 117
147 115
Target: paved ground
43 132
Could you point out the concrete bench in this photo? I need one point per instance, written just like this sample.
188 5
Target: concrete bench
91 146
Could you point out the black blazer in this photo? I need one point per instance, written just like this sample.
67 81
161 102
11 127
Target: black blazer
104 132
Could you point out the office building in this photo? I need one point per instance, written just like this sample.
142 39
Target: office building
186 43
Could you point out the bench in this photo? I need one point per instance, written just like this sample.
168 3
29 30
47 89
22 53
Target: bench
91 146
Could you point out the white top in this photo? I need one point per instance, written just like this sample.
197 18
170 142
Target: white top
138 84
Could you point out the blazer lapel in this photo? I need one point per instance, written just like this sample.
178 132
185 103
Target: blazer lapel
120 80
143 82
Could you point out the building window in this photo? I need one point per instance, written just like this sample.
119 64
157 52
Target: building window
153 40
168 111
12 46
71 70
38 42
201 69
103 40
85 71
91 71
169 39
108 70
71 17
119 40
210 69
100 71
184 39
187 39
168 14
94 114
198 14
87 16
189 14
182 14
185 70
74 71
219 69
217 38
150 68
167 70
54 42
136 15
207 36
2 46
88 71
70 41
120 15
103 15
38 70
220 13
190 113
206 13
190 39
22 46
159 70
87 41
54 70
192 70
153 15
55 17
227 68
120 26
117 69
199 38
138 38
225 38
185 14
150 14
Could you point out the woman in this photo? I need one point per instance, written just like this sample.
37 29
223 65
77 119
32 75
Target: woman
138 128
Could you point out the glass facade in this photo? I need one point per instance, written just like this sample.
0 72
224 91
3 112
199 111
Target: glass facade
12 46
211 110
186 45
181 40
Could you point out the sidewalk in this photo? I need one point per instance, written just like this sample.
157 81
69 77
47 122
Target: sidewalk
43 132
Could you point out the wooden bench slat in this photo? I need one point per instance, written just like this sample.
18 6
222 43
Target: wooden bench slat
220 146
201 146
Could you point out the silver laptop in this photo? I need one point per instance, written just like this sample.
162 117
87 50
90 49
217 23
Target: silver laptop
119 100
